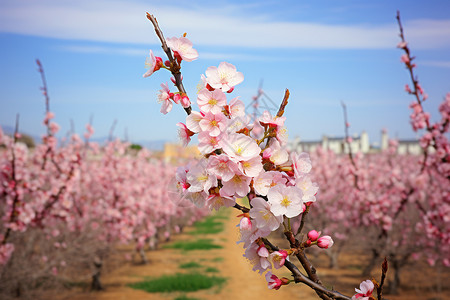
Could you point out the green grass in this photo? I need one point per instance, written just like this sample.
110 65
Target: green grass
179 282
217 259
184 297
211 270
189 265
201 244
208 226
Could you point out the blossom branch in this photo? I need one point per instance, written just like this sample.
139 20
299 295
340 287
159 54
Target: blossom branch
384 269
347 142
15 203
420 96
174 66
299 277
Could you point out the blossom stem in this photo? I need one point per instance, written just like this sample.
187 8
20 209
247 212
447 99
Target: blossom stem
174 66
302 222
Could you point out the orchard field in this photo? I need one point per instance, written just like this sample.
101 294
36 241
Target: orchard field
247 218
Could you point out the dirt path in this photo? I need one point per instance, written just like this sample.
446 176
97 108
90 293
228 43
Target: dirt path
242 282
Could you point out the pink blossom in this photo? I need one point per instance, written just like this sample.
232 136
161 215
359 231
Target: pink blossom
222 166
164 98
251 167
216 201
200 180
267 119
182 48
224 77
182 178
238 186
301 163
262 215
153 64
365 290
237 124
273 282
240 147
211 101
266 180
275 153
251 235
184 133
236 108
193 121
285 200
208 143
325 242
258 257
282 135
214 124
278 258
308 188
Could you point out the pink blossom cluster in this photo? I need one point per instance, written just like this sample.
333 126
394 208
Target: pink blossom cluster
244 159
76 186
406 209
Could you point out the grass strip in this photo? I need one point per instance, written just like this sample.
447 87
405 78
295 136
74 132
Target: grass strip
178 282
190 265
201 244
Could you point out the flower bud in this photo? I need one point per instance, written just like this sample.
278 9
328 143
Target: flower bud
245 224
325 242
313 235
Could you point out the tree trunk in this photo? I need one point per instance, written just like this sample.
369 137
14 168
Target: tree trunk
96 284
334 259
372 263
144 260
395 284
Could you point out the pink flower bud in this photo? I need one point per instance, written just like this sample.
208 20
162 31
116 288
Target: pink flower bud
273 282
325 242
185 102
245 224
405 59
313 235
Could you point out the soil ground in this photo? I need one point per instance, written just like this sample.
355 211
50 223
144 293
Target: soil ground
242 282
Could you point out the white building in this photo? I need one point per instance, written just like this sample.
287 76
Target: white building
358 144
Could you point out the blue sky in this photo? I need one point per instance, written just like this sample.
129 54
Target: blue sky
325 52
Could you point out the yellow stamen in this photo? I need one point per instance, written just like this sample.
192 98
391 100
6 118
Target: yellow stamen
285 202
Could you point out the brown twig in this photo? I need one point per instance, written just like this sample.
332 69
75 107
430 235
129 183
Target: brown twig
347 142
299 277
241 208
302 222
13 214
283 103
174 65
384 269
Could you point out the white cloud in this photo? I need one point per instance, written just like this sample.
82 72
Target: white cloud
105 50
435 63
125 22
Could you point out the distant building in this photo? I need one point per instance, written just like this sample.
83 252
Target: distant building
358 144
